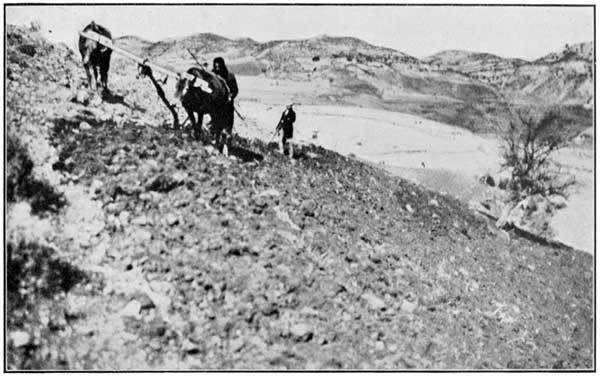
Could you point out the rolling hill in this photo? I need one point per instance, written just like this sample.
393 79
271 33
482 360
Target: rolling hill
357 72
564 77
467 89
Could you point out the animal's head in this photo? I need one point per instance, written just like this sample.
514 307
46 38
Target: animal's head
87 46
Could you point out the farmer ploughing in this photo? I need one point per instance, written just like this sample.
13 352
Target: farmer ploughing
200 91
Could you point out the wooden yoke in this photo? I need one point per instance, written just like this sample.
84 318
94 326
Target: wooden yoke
107 42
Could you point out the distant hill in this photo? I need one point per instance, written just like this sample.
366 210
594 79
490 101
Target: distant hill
472 90
563 77
133 44
471 62
577 51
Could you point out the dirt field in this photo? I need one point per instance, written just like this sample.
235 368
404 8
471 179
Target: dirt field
438 156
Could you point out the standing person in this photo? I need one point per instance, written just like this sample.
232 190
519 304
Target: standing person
220 69
286 123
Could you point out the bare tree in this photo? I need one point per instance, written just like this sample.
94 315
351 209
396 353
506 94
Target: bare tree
528 145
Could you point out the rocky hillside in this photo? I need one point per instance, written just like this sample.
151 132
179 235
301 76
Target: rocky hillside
467 89
472 63
576 51
563 78
143 249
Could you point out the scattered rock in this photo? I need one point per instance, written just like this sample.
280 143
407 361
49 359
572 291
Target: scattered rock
235 345
374 302
285 218
96 186
558 201
140 236
144 300
157 327
269 192
179 177
181 155
301 332
140 220
309 208
190 347
124 217
132 309
81 97
409 208
171 219
84 126
20 338
408 306
434 203
97 256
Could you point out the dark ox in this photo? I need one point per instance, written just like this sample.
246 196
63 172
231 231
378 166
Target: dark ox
95 57
197 101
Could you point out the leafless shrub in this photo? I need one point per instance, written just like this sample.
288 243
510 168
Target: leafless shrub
35 26
527 147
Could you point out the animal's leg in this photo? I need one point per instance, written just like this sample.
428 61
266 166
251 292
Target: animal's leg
96 76
225 142
198 127
89 76
104 75
192 117
217 137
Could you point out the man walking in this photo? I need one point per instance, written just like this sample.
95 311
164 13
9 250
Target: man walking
286 123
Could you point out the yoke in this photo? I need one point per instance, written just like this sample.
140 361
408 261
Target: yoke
107 42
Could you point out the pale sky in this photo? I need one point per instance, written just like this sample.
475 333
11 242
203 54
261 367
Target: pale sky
523 32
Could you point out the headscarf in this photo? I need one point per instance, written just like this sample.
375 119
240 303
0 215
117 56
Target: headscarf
224 72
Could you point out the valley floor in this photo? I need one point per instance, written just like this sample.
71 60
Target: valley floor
441 157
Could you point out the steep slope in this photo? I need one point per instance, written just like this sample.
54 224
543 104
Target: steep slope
168 255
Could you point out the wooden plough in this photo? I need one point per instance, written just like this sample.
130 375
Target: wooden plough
107 42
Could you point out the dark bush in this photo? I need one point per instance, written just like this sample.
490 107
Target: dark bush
18 167
33 270
27 49
528 145
20 184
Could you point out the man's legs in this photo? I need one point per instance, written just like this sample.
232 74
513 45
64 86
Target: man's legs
282 144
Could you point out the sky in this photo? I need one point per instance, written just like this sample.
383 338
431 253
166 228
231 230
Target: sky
511 31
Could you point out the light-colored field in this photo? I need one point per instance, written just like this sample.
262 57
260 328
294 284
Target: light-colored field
439 156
